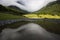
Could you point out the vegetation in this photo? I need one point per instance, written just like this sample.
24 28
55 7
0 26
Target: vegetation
9 16
51 11
42 16
9 13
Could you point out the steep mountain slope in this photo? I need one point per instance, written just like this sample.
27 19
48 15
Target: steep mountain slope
52 9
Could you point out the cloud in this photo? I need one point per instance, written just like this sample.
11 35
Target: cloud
27 5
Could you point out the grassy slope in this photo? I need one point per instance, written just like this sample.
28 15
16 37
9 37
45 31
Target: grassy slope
50 11
8 13
53 9
8 16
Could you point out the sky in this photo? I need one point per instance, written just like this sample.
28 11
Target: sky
27 5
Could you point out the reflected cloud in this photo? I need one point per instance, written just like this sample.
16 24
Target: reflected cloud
30 31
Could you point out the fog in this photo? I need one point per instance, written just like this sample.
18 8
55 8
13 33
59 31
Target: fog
26 5
30 31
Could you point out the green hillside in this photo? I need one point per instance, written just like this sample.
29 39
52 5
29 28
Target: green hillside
50 10
53 9
9 13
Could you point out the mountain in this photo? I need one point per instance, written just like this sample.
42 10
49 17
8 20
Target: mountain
12 9
52 8
7 13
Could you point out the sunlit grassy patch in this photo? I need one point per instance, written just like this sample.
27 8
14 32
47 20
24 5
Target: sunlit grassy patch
42 16
31 16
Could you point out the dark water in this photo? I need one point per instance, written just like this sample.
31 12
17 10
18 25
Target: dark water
3 22
52 25
30 31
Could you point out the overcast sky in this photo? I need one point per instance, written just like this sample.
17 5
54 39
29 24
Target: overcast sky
27 5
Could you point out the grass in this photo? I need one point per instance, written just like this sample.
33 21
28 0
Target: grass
7 16
51 11
42 16
7 13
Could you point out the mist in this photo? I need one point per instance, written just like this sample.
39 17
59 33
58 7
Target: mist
30 31
26 5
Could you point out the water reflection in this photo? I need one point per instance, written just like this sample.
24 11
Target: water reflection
30 31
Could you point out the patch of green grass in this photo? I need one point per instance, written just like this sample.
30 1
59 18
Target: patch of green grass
5 16
48 16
